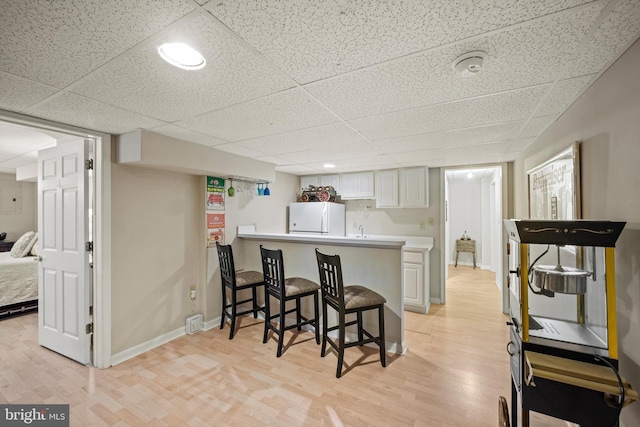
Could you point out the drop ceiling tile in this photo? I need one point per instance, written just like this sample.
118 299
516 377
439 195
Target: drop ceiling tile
563 94
350 151
524 56
537 125
234 148
617 32
421 156
62 41
273 114
502 107
518 145
320 137
472 151
463 154
467 136
18 94
143 82
296 169
79 111
485 159
275 160
312 40
381 160
179 132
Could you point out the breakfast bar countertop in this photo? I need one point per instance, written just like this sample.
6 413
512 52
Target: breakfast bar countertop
366 240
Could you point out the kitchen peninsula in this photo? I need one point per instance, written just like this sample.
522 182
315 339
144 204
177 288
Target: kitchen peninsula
372 261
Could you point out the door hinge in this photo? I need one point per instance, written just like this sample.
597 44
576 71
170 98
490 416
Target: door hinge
88 164
88 246
508 248
89 328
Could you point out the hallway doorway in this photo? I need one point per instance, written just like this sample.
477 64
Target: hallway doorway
473 205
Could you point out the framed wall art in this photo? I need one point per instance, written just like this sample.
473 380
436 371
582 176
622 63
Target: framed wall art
554 187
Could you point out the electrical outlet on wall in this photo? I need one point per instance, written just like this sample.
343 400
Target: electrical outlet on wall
192 292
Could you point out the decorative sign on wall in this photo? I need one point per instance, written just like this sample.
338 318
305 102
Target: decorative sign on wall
554 187
215 202
215 193
215 229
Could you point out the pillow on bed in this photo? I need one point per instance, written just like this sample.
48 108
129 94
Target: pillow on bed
24 244
34 249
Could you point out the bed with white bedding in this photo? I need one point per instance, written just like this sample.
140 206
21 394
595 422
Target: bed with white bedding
18 284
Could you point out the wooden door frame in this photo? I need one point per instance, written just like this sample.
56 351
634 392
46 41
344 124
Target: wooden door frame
101 357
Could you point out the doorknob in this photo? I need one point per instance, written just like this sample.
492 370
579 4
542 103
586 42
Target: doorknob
37 258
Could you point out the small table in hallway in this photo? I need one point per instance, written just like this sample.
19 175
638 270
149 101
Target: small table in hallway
466 246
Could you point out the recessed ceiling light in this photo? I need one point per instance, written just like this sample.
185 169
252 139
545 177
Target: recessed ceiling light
329 165
469 175
182 56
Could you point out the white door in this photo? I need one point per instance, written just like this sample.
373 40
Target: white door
64 285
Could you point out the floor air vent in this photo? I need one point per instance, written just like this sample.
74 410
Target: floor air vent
194 324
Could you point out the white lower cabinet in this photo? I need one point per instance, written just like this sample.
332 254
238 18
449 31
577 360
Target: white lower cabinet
415 279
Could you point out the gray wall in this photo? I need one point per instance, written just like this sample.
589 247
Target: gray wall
16 224
158 248
157 235
606 119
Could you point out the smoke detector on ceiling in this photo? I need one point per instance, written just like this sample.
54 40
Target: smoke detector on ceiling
470 63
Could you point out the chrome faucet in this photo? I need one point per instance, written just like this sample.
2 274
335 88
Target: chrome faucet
361 228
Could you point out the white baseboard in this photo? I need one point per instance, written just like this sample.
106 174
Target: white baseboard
210 324
157 342
418 308
137 350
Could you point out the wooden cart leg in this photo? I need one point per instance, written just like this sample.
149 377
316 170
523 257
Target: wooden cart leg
457 253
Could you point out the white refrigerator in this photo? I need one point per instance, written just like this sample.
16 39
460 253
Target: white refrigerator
320 218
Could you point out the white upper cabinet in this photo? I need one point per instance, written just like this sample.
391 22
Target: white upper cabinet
332 180
414 187
308 180
357 185
387 189
395 188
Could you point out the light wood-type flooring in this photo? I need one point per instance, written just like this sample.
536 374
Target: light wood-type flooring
452 375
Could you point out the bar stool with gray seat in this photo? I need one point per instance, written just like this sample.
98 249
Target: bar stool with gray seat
347 300
235 282
284 290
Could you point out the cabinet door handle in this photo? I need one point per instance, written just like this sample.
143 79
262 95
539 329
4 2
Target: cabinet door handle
509 349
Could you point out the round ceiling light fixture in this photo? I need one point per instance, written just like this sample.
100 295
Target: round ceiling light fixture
182 56
470 63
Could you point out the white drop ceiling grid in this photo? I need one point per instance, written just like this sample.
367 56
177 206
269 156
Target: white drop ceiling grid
359 83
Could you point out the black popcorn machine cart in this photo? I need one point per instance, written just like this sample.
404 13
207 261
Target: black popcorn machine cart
563 340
